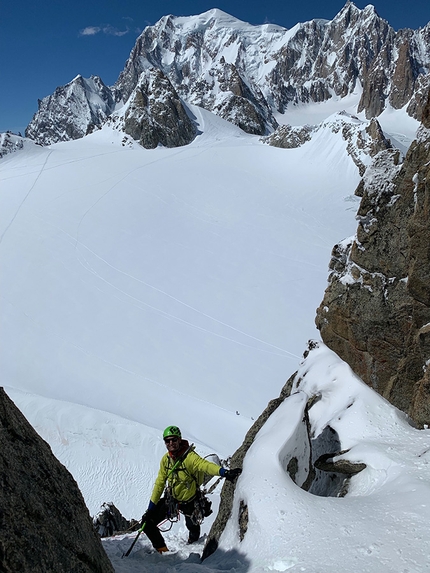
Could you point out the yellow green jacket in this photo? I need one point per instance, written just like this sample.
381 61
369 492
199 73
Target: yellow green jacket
185 479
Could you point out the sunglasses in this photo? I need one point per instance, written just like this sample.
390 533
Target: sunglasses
171 440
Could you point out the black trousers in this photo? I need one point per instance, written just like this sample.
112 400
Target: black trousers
160 513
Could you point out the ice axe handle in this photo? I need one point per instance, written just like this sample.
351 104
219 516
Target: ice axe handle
142 527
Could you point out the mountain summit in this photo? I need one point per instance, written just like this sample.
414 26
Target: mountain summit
248 75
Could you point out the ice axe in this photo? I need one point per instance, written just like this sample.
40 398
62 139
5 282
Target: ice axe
142 527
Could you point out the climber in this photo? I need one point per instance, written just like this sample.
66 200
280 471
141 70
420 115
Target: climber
183 470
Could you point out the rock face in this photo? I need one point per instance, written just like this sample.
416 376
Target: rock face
376 310
155 114
72 111
248 74
45 526
205 58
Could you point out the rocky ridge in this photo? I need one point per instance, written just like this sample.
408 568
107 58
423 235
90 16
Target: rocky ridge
376 310
247 74
364 140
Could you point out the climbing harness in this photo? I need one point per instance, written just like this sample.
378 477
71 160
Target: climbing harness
202 507
172 505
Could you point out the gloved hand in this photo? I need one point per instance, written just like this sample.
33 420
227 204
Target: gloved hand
231 475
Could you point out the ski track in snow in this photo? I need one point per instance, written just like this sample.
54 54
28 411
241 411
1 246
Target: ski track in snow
127 174
137 302
88 267
25 197
91 198
113 364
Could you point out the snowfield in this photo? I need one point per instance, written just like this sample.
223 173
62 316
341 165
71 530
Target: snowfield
149 281
142 288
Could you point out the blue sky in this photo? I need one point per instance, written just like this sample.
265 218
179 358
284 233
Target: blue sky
46 43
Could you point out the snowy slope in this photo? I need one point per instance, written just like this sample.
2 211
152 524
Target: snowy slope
165 276
380 526
142 288
173 285
111 458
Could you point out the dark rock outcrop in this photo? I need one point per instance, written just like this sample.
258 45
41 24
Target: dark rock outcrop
155 114
376 310
289 137
45 526
239 104
109 521
329 463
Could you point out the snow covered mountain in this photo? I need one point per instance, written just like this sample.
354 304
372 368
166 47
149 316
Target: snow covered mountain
252 76
72 111
146 284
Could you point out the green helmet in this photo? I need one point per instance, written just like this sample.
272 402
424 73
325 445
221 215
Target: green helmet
172 431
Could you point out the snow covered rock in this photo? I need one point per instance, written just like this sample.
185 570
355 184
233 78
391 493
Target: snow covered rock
274 525
376 310
363 139
73 111
312 459
205 57
45 526
289 137
9 142
109 521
